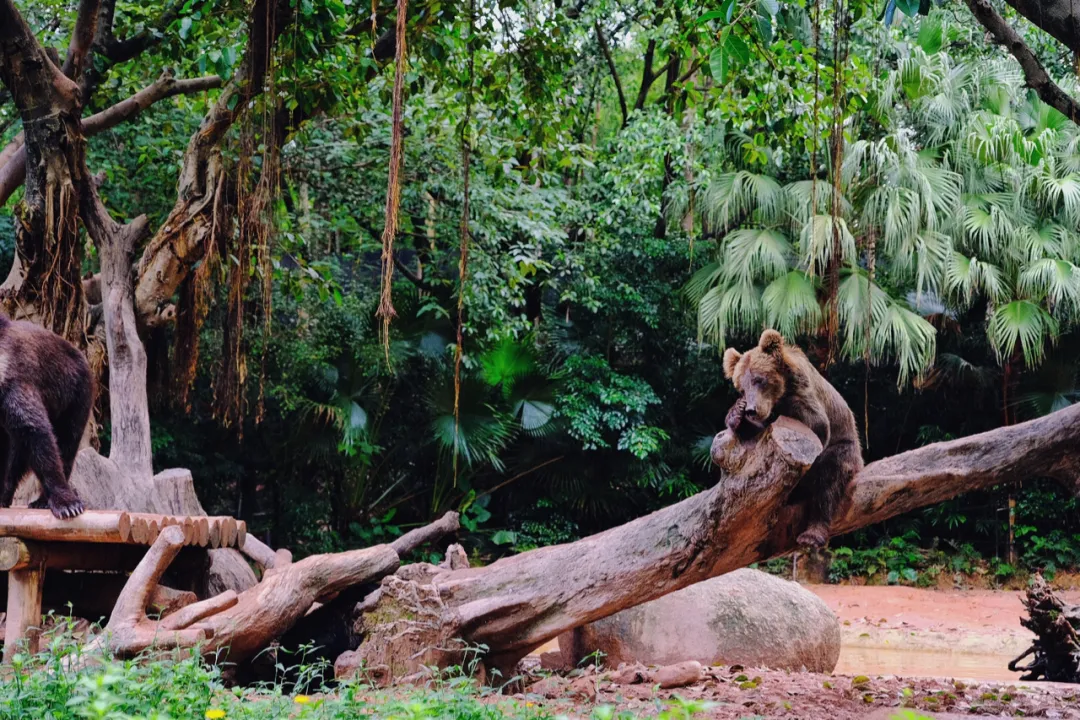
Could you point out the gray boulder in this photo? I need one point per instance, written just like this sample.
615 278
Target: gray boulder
745 617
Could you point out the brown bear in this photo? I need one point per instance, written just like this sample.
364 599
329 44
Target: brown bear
776 379
46 394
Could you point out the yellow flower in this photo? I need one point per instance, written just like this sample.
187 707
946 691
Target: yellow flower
302 699
529 704
215 714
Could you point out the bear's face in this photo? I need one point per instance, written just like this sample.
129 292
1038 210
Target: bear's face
759 376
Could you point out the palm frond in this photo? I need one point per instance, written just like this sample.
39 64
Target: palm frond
1025 324
733 198
752 254
791 305
818 239
907 338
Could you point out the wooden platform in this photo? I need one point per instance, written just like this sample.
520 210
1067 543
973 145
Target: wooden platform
32 541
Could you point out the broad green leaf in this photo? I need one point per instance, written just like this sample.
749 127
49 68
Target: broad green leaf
764 28
716 65
185 28
908 7
738 49
768 7
931 35
504 537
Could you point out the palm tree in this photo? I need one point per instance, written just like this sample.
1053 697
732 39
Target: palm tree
970 195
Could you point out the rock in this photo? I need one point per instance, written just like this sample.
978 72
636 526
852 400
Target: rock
679 674
631 675
584 688
553 660
550 687
350 665
456 558
745 617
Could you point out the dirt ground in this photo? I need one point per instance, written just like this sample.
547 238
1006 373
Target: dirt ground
941 652
736 693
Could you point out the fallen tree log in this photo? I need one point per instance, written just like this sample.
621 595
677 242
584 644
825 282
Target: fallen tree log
236 626
520 602
1056 649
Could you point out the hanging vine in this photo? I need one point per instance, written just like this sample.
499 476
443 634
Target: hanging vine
463 260
817 95
253 244
386 310
871 260
840 27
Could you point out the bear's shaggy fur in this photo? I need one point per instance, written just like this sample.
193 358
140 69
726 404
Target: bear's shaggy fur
46 394
777 379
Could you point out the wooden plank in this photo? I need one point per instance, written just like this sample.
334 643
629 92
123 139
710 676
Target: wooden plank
100 526
202 531
17 554
228 532
23 629
14 554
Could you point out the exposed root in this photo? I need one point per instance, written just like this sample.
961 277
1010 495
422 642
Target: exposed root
1056 626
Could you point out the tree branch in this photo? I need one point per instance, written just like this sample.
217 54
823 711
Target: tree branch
614 72
1035 74
1059 18
82 38
13 171
648 77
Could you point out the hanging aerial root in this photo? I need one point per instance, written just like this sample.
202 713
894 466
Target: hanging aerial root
386 310
463 260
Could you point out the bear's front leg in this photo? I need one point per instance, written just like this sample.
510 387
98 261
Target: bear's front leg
736 421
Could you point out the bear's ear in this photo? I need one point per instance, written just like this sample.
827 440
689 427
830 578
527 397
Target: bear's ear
771 341
731 359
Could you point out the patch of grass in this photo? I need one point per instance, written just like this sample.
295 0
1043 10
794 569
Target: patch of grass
62 683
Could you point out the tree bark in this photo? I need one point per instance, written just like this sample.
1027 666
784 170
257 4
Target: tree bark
1061 21
518 603
46 235
1060 18
13 157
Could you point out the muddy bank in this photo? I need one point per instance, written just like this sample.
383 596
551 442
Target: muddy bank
893 630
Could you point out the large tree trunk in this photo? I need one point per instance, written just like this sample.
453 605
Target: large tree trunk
46 286
518 603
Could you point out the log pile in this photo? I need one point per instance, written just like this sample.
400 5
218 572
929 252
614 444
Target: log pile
121 528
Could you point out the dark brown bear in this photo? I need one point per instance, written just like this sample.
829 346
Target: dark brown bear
776 379
46 393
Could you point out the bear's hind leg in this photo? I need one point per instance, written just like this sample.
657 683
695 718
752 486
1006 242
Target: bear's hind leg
827 481
13 465
29 427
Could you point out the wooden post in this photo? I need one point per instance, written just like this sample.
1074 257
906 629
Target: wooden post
24 608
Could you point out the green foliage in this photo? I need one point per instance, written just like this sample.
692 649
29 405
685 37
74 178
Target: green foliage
604 407
610 257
